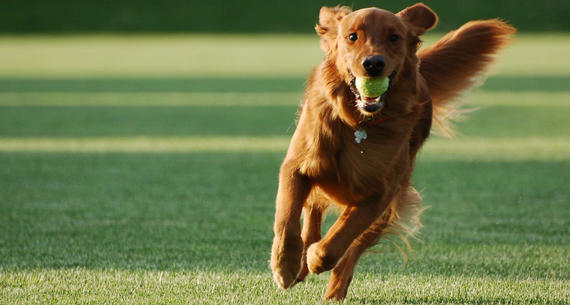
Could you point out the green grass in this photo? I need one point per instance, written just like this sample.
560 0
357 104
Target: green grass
152 179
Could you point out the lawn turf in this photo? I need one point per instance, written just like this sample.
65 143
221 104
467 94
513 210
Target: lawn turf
185 216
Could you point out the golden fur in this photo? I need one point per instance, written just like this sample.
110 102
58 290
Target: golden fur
369 181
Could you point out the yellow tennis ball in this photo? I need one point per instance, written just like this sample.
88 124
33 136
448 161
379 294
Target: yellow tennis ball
372 87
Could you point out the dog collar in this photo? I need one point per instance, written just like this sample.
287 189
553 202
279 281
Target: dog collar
375 122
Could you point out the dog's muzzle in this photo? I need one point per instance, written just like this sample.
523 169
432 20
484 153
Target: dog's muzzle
370 104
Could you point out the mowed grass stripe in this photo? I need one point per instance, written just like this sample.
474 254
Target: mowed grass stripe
478 148
145 144
477 98
94 99
223 55
532 148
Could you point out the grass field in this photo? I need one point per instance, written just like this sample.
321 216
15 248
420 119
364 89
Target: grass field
143 169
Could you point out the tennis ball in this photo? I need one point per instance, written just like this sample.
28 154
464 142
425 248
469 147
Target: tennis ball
372 87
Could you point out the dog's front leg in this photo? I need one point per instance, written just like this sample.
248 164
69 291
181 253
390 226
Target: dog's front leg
324 255
287 249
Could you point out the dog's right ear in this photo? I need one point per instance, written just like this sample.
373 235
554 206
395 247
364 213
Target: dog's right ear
329 18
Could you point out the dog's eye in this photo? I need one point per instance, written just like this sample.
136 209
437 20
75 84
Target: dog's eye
353 37
394 38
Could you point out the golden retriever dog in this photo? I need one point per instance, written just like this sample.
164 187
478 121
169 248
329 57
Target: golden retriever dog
358 152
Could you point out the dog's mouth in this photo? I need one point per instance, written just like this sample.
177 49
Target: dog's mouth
370 104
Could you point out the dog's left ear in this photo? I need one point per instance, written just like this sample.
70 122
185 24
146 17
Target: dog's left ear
419 18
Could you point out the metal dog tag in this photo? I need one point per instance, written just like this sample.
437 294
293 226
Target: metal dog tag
360 135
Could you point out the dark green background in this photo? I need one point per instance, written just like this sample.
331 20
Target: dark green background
77 16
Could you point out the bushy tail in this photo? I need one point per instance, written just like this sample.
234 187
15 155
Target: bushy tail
457 62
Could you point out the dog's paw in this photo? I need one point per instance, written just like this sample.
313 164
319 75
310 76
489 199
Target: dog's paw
318 260
339 281
337 293
286 261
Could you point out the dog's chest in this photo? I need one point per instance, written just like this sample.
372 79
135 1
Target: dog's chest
370 155
363 169
374 161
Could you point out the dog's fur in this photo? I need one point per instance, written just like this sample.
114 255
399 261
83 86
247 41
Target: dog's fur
369 181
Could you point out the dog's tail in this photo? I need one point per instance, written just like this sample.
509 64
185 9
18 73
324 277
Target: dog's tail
457 62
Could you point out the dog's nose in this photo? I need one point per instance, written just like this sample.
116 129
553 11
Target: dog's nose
373 64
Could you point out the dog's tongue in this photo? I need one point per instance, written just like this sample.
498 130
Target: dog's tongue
371 100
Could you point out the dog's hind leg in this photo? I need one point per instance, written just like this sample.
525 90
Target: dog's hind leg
407 208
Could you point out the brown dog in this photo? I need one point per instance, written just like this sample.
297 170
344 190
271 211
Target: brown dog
369 180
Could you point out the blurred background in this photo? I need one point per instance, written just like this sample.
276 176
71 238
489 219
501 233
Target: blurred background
250 16
140 143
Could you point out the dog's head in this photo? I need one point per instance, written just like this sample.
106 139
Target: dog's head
372 42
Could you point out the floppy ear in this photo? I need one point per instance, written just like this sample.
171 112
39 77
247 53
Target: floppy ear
329 18
419 18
